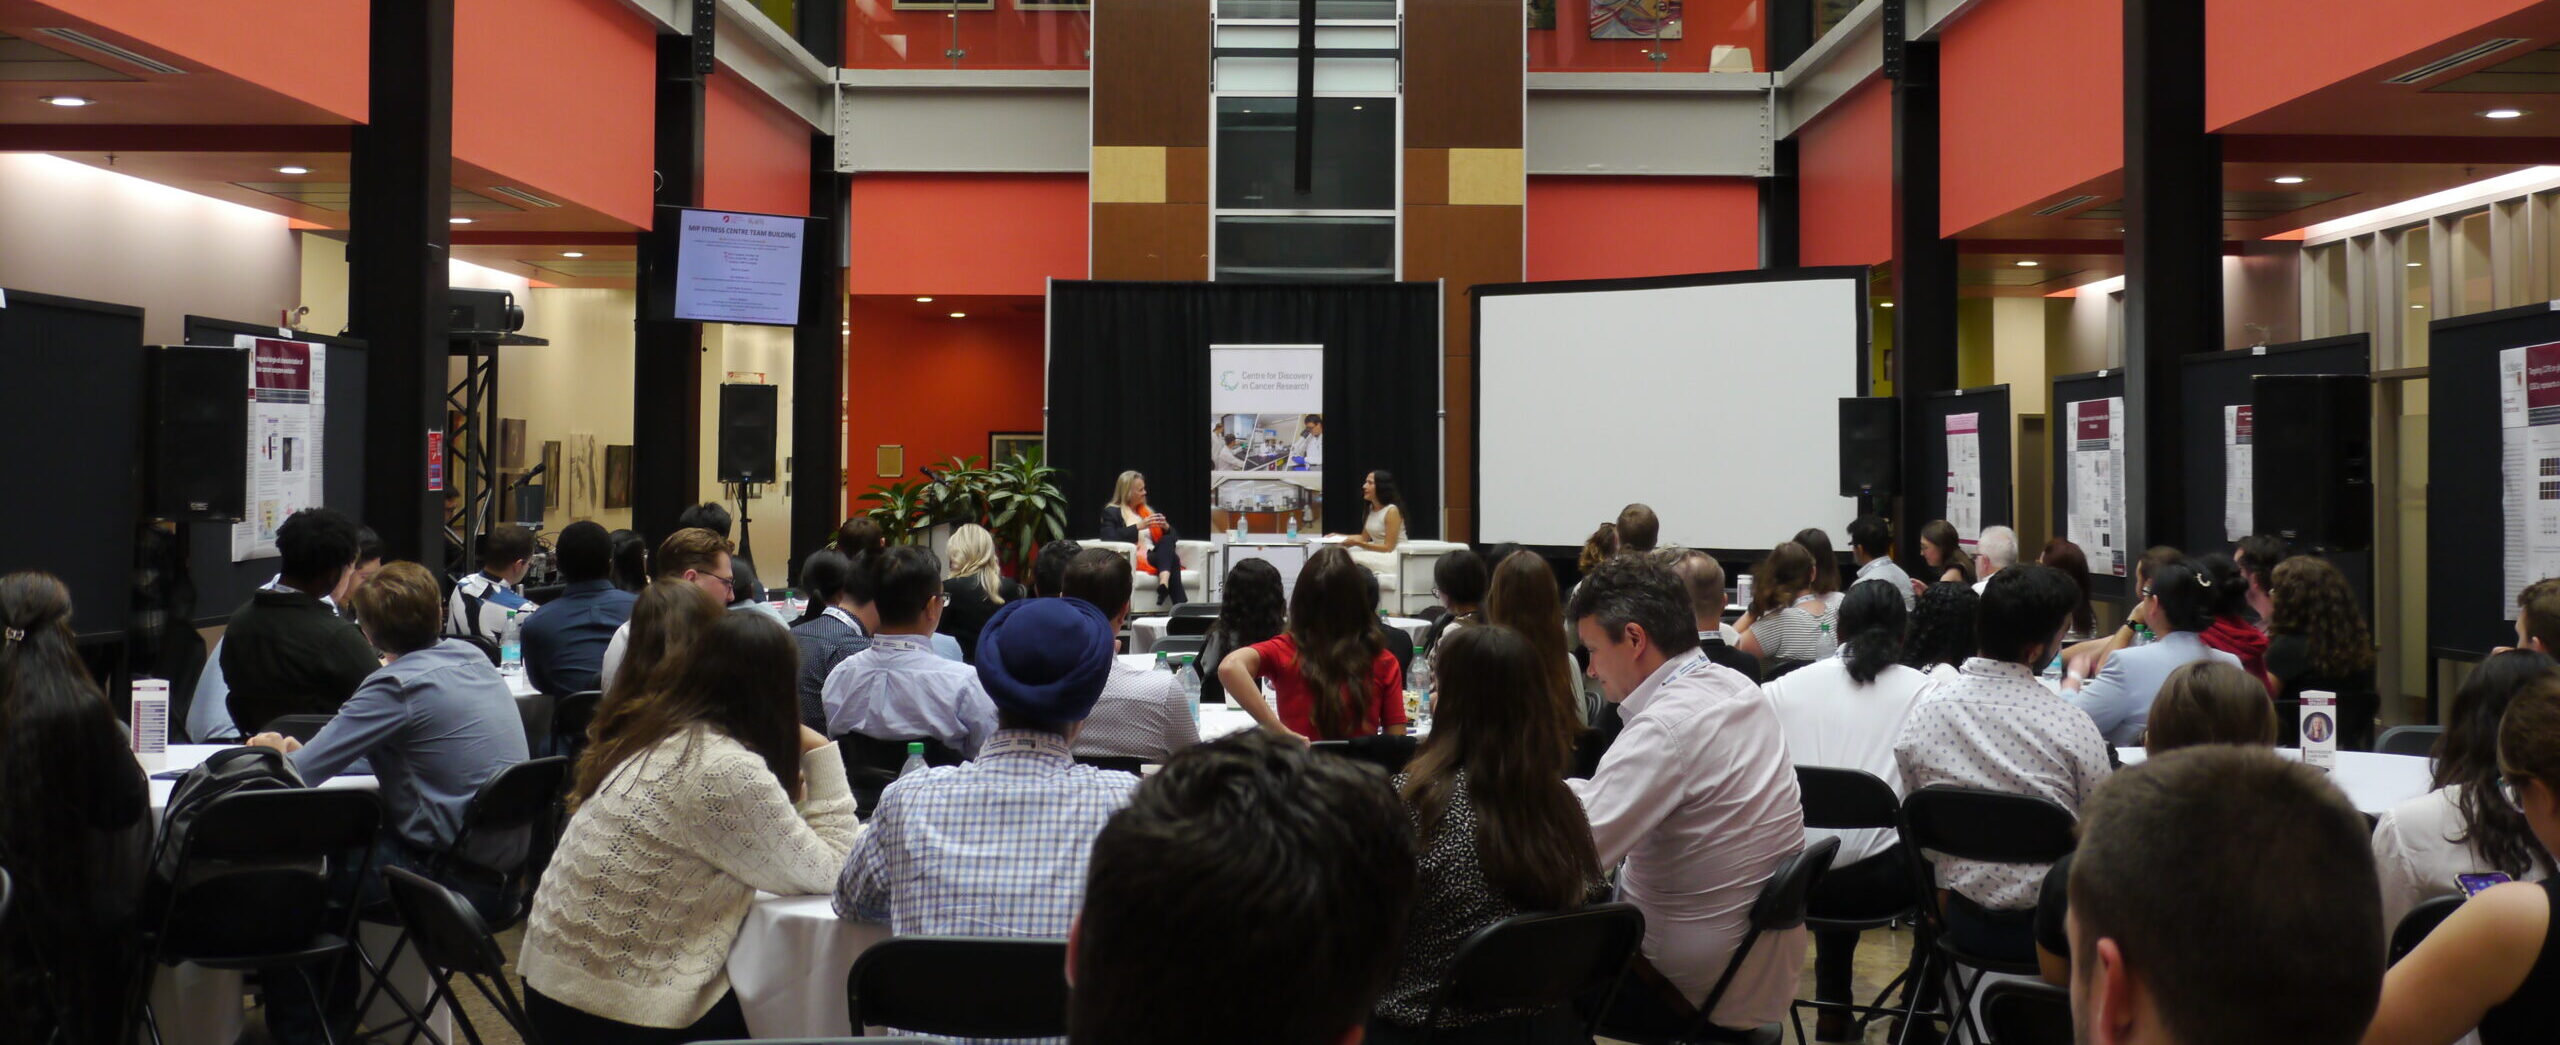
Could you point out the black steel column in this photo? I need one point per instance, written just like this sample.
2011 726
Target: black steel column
2172 249
666 381
1924 264
1781 216
397 271
817 362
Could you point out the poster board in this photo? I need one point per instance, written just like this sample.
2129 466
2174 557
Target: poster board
2466 532
1937 415
222 585
2069 389
2212 386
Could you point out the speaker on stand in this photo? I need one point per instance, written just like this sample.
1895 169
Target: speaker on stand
1870 448
748 426
2313 445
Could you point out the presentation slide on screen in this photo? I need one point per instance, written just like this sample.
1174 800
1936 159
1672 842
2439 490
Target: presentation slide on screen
739 268
1714 403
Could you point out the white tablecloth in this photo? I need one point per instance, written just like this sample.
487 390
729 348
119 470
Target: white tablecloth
1145 632
2374 782
790 963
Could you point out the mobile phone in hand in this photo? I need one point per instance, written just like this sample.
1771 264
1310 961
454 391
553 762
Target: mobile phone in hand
2472 884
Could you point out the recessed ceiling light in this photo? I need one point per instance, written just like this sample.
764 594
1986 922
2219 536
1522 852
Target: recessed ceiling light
573 253
68 101
2417 306
1884 304
2417 264
2287 179
293 170
924 301
458 221
959 315
2501 114
2026 264
1355 108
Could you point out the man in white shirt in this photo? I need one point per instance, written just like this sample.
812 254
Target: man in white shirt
1697 796
1996 551
695 556
1871 543
1308 455
1142 713
899 689
1997 728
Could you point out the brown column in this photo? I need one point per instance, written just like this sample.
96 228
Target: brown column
1150 186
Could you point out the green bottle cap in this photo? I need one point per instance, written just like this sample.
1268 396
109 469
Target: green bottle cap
915 749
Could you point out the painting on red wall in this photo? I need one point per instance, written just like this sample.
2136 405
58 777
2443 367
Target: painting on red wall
1542 14
1635 19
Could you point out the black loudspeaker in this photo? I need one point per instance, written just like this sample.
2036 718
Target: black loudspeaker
747 426
196 423
2312 454
1870 447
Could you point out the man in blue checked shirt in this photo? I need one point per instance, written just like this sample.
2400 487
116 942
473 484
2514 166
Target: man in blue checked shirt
998 846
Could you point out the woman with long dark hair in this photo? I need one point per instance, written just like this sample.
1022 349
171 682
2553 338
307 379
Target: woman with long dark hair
1845 713
1943 549
1252 608
693 795
829 631
1523 596
2463 825
1826 566
1332 678
74 831
2067 557
2316 637
1786 620
1942 632
2232 631
630 560
1498 832
1384 526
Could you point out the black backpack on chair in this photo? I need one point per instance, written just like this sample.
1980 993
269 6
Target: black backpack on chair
228 771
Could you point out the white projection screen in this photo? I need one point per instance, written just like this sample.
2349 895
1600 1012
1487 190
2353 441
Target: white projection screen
1712 398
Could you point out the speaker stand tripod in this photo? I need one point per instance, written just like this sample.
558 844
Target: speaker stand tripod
745 492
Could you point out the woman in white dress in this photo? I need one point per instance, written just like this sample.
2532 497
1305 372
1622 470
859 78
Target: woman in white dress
1378 537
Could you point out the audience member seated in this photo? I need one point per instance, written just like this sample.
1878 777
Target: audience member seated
1458 580
1141 713
1703 576
698 557
1638 528
1524 598
976 589
858 534
2184 935
1941 638
1943 549
2067 557
2232 630
483 601
2258 555
1128 520
1396 641
745 592
2538 617
1251 609
1598 548
630 561
1249 860
997 846
287 652
1871 544
75 830
368 562
1786 620
564 644
209 712
2466 825
1846 713
1049 570
693 796
2090 657
1996 727
837 624
1997 550
1826 566
667 621
2177 604
1697 796
2495 964
2316 637
1499 832
899 688
1330 675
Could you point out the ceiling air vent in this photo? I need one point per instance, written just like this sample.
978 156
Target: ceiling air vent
133 58
2064 205
513 193
2466 56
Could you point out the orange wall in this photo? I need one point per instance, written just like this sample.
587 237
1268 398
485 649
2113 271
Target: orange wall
557 94
966 233
2031 103
879 37
310 50
2262 53
936 385
1606 228
1844 180
755 154
1703 24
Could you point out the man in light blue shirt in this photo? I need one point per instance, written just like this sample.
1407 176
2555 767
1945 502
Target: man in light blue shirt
1871 543
899 688
2177 604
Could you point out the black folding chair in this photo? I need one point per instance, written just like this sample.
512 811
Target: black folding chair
1181 626
299 727
2409 740
870 763
453 940
253 889
1113 763
2421 921
2027 1012
535 712
1194 644
1195 609
1386 752
1780 907
569 718
1986 827
961 987
1854 800
1543 960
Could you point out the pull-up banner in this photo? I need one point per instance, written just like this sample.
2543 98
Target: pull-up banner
1266 436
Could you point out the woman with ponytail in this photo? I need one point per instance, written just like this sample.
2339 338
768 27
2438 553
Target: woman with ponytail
1844 713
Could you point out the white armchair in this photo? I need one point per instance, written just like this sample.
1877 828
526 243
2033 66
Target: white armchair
1142 590
1408 586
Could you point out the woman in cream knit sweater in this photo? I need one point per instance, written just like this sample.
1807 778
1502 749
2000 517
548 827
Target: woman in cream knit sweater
691 797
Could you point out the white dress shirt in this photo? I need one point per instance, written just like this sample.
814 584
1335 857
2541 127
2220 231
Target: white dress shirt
2419 846
1142 713
1831 720
901 688
1998 729
1697 796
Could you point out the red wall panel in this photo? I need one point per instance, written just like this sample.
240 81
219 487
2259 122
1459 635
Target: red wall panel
755 154
309 50
1844 180
2262 53
557 94
966 233
1607 228
916 378
2031 103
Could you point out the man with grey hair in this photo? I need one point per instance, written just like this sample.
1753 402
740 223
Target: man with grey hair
1996 551
1697 796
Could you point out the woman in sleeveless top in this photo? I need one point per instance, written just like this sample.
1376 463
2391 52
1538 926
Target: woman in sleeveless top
2495 964
1385 526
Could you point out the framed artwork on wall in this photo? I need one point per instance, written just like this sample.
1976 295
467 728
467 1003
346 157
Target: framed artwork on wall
617 477
1053 5
1005 446
1542 14
889 461
1635 19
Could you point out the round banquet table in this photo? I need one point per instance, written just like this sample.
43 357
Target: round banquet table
1145 632
2374 782
790 963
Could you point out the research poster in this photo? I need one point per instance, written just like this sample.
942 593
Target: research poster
2529 423
1964 477
1266 437
2239 484
739 268
288 411
2097 484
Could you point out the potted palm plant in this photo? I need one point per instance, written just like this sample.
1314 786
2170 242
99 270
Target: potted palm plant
1025 507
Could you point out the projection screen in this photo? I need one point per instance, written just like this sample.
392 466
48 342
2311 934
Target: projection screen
1712 398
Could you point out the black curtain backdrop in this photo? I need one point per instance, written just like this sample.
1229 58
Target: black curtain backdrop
1128 387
